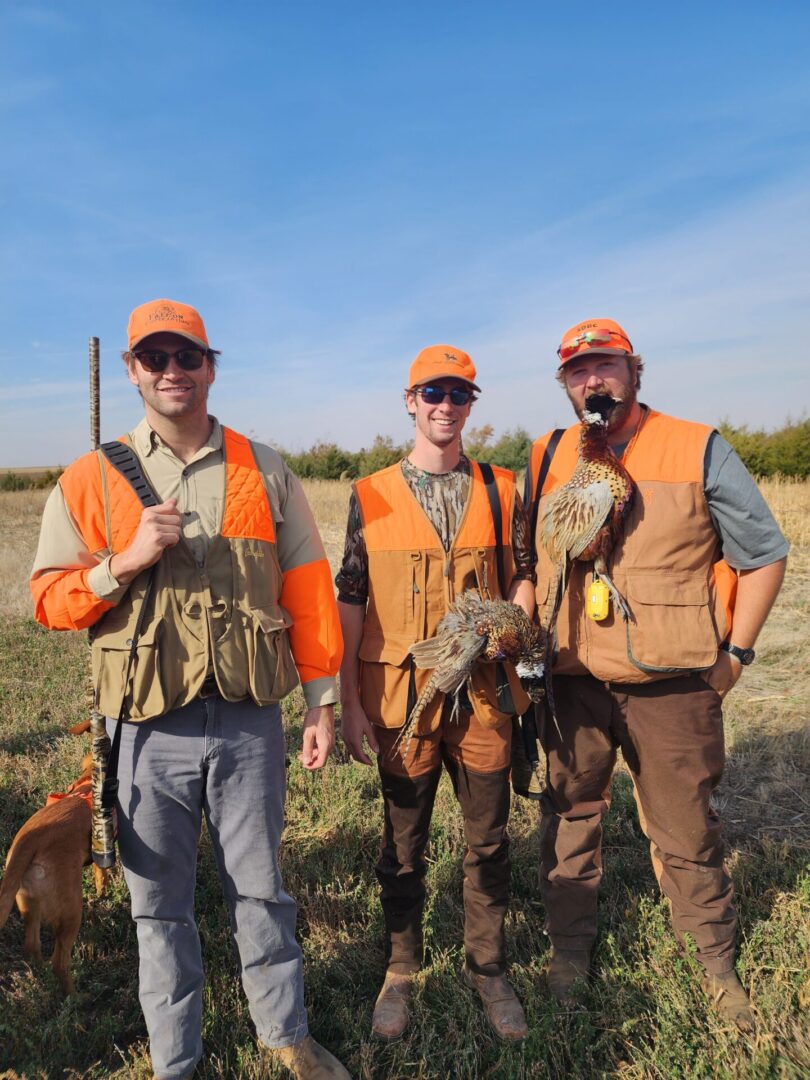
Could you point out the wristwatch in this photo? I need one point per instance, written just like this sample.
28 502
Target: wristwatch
745 656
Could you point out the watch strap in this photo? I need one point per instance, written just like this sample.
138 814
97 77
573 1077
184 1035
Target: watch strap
745 656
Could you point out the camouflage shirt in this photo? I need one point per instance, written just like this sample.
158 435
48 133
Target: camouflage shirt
443 497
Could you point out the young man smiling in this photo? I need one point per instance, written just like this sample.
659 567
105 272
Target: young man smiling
419 534
700 562
241 606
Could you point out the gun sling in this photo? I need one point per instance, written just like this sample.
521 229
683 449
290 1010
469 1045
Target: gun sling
124 459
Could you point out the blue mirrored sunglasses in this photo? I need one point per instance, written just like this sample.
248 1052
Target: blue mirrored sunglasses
435 395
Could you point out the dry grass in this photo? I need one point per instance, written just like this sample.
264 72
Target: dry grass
18 544
790 502
329 500
644 1017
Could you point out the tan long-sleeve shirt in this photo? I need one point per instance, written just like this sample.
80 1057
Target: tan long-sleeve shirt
199 488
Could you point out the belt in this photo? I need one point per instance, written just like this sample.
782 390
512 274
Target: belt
209 687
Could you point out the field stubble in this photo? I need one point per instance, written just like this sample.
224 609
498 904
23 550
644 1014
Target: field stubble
645 1016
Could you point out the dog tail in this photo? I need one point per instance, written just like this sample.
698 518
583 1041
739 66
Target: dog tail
19 860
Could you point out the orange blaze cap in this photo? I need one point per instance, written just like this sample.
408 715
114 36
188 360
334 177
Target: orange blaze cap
166 317
594 336
442 362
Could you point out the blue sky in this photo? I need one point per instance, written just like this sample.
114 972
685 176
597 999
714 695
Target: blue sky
335 185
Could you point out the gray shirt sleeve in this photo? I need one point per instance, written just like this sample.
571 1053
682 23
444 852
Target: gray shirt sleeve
747 528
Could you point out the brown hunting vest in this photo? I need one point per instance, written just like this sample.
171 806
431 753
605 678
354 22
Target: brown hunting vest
225 613
413 581
667 564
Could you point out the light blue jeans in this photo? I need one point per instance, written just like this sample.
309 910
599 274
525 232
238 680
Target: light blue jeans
226 760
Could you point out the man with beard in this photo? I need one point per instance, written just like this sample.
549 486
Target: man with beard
700 562
205 609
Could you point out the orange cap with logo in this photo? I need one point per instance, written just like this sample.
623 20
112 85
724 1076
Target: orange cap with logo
594 336
166 317
442 362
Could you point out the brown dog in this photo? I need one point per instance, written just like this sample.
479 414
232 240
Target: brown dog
44 872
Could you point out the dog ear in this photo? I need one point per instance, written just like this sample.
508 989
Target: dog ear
80 728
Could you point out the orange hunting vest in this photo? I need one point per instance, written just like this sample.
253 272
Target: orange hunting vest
413 581
225 612
667 564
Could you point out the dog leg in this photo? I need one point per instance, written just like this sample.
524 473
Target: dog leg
65 938
31 912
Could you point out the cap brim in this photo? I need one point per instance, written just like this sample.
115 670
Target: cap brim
446 375
587 353
170 330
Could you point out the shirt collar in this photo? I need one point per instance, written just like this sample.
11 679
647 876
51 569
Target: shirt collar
146 441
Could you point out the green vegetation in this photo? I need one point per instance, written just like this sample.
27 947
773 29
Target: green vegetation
785 452
328 461
642 1016
29 481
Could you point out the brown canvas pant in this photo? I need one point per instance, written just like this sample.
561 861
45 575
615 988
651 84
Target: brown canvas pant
671 737
477 760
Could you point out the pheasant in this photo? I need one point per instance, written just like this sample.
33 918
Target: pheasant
583 520
475 630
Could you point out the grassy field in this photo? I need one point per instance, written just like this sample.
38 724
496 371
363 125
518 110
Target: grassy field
644 1014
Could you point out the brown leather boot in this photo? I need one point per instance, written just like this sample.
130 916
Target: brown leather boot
565 967
501 1004
391 1012
308 1060
727 994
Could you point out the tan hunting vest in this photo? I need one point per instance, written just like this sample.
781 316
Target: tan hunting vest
224 615
413 581
667 565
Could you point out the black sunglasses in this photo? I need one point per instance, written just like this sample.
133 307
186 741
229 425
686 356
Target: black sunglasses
435 395
155 360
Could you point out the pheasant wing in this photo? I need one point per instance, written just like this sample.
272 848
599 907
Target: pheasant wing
573 516
450 655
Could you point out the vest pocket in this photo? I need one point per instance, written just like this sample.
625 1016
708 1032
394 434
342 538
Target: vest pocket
673 626
271 671
146 692
484 695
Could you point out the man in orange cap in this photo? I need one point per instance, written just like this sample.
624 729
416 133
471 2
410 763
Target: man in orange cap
206 607
700 562
419 534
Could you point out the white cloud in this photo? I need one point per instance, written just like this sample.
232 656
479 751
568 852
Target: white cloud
717 306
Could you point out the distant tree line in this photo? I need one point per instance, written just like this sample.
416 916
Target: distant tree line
12 481
784 452
765 453
328 461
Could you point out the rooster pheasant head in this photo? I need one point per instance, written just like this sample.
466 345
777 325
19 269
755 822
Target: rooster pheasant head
511 636
598 408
